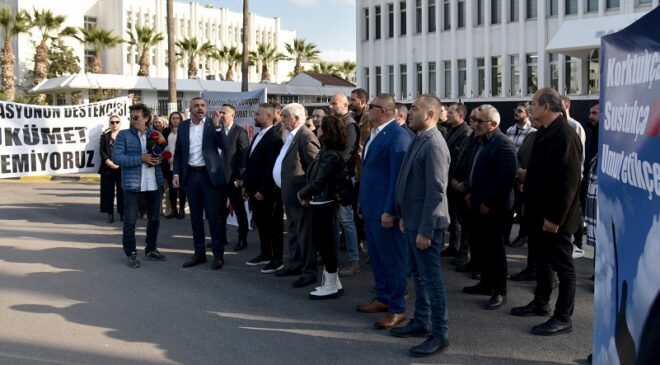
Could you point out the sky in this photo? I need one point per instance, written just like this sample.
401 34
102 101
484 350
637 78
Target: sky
330 24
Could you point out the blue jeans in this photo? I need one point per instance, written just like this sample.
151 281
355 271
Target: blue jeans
131 201
347 223
430 293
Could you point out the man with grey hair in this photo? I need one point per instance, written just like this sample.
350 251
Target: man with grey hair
299 150
490 200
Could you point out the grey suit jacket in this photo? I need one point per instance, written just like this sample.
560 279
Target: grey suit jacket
299 156
421 189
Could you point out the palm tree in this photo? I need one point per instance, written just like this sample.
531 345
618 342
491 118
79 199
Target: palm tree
324 68
245 42
98 39
191 48
171 59
265 55
230 56
347 69
143 39
301 51
48 26
11 25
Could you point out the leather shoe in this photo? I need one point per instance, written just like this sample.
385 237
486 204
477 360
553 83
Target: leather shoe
241 245
430 346
411 329
373 307
477 289
389 320
217 264
195 260
519 241
286 272
552 327
495 301
534 308
111 218
304 280
525 275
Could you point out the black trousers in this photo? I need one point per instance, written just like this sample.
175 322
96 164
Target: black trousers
322 220
231 192
110 182
174 193
554 252
488 237
454 200
270 225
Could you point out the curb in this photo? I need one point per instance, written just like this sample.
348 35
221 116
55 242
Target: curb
82 178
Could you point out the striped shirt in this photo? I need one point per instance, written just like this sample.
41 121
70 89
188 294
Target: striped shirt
517 134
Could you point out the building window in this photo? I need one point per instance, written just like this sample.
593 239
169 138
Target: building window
496 76
366 79
418 86
418 16
377 22
644 2
432 85
90 22
593 83
89 58
571 73
431 16
513 10
552 7
480 12
481 76
461 13
446 15
571 7
554 71
403 29
390 20
447 79
404 81
379 81
532 73
514 87
612 4
390 71
462 77
531 9
366 24
592 6
495 12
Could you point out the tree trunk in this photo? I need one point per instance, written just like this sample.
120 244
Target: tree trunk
8 72
230 73
192 68
40 63
171 58
245 62
265 75
144 63
96 67
297 68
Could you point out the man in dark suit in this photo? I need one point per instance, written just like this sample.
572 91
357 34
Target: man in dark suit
421 200
382 157
490 200
234 160
552 211
289 173
199 169
260 188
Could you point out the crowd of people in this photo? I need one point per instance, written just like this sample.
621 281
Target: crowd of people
378 176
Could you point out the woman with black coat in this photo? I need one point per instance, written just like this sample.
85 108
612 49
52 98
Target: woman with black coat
320 195
110 172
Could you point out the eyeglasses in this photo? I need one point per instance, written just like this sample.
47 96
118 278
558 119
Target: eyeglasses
479 121
372 106
135 117
115 122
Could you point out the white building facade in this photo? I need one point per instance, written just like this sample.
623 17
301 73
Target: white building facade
485 49
220 26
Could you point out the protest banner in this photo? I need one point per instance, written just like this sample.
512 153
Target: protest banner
627 288
52 140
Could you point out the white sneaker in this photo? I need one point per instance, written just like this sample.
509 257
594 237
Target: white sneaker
577 252
329 289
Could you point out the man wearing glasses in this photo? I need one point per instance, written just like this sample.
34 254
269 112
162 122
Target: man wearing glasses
141 178
522 128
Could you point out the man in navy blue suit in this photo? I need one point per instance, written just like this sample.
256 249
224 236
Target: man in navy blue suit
198 167
381 161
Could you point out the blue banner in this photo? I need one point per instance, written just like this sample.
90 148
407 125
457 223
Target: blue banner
627 300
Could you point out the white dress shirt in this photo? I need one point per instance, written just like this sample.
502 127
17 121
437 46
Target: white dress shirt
374 133
195 158
148 176
259 136
277 169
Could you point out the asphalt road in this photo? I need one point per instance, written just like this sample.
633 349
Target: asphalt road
67 297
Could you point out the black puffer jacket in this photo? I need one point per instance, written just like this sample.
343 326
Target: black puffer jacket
323 176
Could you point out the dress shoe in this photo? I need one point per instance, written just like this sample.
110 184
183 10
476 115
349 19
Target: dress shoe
286 272
460 259
430 346
111 218
272 267
534 308
411 329
195 260
477 289
449 252
389 320
373 307
241 245
525 275
495 301
552 327
217 264
304 280
259 260
519 241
